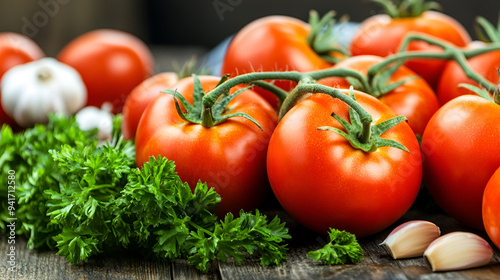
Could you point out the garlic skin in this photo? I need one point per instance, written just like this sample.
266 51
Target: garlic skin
410 239
457 251
92 117
32 90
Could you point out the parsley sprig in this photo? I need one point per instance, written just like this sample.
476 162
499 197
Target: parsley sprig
341 249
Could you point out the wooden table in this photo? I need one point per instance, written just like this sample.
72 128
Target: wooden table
377 264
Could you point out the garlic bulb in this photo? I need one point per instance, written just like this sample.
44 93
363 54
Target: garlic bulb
32 90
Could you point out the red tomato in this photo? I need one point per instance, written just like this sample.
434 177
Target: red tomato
460 147
382 35
140 97
230 156
111 64
15 49
414 99
491 208
273 43
322 181
485 64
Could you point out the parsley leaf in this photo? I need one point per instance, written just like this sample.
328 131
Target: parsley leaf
343 248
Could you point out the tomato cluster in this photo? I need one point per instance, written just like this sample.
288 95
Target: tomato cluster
354 138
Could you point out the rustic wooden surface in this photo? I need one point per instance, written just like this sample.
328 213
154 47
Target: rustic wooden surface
377 264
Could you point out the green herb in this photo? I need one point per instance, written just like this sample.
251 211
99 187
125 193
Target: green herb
36 171
342 248
85 198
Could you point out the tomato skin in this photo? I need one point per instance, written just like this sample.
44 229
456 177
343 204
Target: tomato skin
230 157
272 43
414 99
140 97
111 63
382 35
15 49
485 64
491 208
460 147
322 182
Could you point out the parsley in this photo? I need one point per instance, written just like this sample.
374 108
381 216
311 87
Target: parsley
84 198
27 154
343 248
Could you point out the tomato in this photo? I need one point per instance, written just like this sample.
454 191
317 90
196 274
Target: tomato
15 49
485 64
491 208
323 182
382 35
272 43
140 97
230 156
414 99
460 147
111 63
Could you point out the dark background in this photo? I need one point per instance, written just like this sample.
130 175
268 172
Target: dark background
201 24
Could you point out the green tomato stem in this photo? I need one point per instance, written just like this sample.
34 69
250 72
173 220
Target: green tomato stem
450 52
207 119
211 97
304 88
278 92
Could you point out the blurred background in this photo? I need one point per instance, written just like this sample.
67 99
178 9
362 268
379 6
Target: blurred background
176 30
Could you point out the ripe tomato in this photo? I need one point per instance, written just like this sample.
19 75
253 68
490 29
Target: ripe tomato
140 97
322 181
230 156
111 63
414 99
485 64
382 35
273 43
491 208
460 147
15 49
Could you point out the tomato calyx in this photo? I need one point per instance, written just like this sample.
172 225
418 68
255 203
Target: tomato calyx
486 32
321 38
407 8
361 134
377 84
190 67
207 116
367 141
493 97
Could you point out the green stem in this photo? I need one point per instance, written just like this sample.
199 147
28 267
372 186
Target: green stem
475 52
191 223
450 52
211 97
341 72
207 119
306 88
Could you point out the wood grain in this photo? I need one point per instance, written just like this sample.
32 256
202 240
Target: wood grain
377 264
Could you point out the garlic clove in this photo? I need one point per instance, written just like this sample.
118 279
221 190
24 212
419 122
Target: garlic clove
92 117
410 239
458 250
